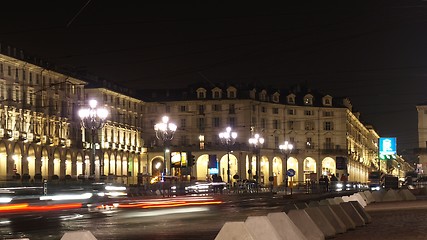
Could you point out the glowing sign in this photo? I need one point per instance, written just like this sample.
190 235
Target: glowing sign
387 148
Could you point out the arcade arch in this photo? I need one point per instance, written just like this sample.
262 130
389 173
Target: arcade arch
309 166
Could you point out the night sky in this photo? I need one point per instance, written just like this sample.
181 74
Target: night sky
373 52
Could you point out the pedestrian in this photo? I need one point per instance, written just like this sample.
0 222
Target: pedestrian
326 183
334 181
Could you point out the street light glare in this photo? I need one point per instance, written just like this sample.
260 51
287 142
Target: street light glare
93 103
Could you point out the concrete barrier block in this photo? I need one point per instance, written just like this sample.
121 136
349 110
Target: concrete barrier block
333 219
406 195
352 212
332 201
234 231
338 200
362 212
378 195
313 204
324 202
360 199
321 221
301 205
287 207
285 227
391 196
81 235
369 196
365 198
345 218
261 228
307 226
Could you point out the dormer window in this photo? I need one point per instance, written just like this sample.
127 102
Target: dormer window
201 93
291 99
231 92
327 100
263 95
216 93
308 99
276 97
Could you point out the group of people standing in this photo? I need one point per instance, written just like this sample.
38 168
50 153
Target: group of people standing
324 181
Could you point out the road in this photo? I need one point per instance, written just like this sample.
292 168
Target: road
181 222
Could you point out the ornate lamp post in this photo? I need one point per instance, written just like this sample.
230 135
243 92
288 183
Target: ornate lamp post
93 119
256 142
228 138
165 132
285 148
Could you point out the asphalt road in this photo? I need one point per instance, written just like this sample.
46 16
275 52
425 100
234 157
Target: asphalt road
188 222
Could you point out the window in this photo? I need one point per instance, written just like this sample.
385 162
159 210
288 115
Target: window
291 125
328 143
308 100
328 113
201 124
182 109
9 70
276 124
263 109
263 123
183 123
216 94
183 141
308 112
292 112
275 110
232 121
168 109
291 100
216 107
309 125
276 141
328 126
231 94
216 122
201 109
201 94
231 109
276 98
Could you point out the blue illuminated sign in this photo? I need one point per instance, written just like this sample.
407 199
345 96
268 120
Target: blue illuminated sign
387 148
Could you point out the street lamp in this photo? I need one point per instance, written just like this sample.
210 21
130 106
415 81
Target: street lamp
286 148
93 119
257 141
164 132
228 138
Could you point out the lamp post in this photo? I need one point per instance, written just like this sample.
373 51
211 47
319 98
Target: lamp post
228 138
165 132
257 141
286 148
93 119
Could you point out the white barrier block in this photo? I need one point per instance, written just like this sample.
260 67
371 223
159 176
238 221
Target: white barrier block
378 195
391 196
333 219
306 225
288 207
285 227
369 196
313 204
338 200
332 201
81 235
365 198
345 218
406 195
301 205
234 231
362 211
322 222
261 228
352 212
324 202
360 199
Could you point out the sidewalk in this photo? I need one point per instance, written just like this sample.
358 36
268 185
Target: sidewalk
392 220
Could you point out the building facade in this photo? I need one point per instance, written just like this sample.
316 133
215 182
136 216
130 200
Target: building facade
320 127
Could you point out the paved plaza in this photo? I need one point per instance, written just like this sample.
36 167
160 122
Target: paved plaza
392 220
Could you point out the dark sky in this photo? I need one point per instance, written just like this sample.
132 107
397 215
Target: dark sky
374 52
